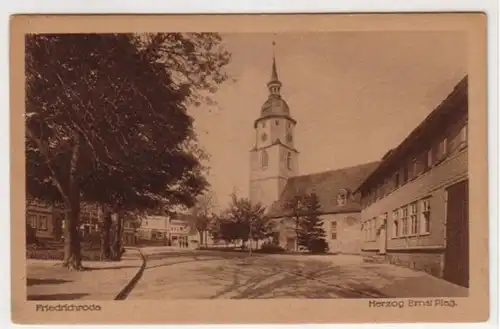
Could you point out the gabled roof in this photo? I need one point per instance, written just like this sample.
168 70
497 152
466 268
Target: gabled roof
327 185
456 102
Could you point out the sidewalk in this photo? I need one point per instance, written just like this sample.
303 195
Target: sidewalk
389 280
384 280
47 280
153 250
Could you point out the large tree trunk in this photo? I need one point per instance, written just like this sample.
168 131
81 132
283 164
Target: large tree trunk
115 245
72 247
119 246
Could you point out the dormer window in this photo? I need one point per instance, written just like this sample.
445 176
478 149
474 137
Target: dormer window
342 198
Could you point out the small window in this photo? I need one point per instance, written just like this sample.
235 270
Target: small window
430 159
334 230
414 225
463 136
395 223
425 216
277 122
265 159
404 221
42 223
443 149
405 174
397 182
413 168
289 160
32 220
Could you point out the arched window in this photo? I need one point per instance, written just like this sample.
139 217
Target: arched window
265 159
289 160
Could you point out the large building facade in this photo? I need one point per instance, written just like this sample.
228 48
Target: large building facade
274 179
415 204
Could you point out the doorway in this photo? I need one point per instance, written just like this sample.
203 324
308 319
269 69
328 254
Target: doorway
456 257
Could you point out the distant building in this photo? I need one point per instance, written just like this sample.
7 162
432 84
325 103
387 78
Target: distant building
48 221
183 232
45 221
176 230
154 227
274 179
415 204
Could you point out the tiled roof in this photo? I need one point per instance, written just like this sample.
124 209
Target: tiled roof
455 102
327 185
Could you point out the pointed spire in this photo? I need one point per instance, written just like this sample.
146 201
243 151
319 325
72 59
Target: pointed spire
274 74
274 85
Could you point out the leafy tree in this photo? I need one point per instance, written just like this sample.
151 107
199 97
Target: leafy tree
311 233
202 212
106 120
248 220
296 209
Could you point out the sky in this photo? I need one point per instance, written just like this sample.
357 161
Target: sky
354 95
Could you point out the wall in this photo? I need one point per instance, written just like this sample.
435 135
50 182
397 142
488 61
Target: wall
266 184
431 263
155 222
349 238
432 183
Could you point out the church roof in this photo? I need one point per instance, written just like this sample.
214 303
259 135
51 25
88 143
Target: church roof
327 186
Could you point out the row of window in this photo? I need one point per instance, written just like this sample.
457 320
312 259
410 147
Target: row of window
418 166
265 160
39 222
410 220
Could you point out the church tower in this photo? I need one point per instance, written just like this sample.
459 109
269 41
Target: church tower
274 158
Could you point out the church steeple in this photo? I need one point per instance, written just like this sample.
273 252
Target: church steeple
273 159
274 85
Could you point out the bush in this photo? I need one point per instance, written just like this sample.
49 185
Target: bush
319 246
88 255
270 248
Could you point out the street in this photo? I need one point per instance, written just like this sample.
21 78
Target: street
210 275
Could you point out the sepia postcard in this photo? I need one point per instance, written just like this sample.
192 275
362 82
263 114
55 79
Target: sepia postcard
205 169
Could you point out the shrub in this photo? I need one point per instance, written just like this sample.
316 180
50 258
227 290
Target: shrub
270 248
88 255
318 246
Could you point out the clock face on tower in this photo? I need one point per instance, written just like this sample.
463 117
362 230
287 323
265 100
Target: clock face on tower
264 137
289 138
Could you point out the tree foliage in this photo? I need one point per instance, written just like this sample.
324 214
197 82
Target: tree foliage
106 120
203 214
243 220
304 210
296 209
311 232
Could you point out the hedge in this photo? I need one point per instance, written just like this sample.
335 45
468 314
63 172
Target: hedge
88 255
